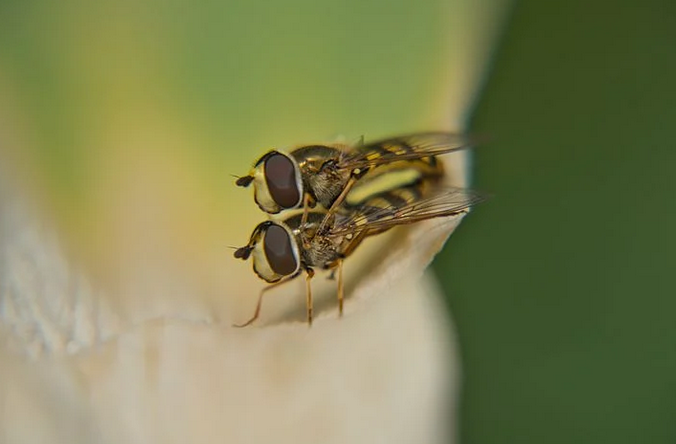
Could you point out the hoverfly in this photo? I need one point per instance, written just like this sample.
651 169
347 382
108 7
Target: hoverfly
283 249
327 173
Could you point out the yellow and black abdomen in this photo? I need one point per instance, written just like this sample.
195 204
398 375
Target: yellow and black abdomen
400 177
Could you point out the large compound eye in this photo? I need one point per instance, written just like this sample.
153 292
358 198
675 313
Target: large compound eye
279 252
280 175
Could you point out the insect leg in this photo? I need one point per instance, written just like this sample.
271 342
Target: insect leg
306 207
260 300
308 293
341 289
339 200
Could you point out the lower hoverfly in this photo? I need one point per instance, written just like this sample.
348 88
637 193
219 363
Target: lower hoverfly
283 249
327 173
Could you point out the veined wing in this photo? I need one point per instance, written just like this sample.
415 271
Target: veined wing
410 147
447 201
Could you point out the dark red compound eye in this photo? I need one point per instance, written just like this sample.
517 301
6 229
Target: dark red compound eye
280 175
279 252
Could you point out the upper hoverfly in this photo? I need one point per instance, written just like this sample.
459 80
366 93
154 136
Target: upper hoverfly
327 173
282 249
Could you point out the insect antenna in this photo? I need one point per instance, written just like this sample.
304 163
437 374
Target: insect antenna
243 252
243 181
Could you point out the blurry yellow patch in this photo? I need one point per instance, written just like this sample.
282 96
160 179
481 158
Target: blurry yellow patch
381 184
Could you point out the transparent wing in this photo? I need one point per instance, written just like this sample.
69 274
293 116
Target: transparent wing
410 147
445 201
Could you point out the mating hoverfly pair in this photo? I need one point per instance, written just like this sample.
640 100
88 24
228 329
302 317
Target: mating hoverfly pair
336 196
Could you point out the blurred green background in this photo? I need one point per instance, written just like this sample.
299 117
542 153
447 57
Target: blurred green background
562 286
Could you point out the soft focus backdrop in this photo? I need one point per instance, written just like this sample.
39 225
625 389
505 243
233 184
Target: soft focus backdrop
562 287
121 123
